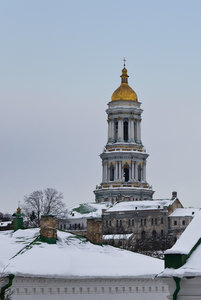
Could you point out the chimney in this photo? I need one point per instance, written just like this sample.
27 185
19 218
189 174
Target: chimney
174 195
94 230
48 231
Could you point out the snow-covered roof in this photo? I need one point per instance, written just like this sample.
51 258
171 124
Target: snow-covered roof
87 210
5 223
71 256
190 269
184 212
189 237
117 236
140 205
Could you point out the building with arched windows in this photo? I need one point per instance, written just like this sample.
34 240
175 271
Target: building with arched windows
124 156
124 199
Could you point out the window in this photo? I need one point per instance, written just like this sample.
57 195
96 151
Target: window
154 234
175 223
145 222
156 221
106 223
139 173
129 222
162 220
141 222
161 232
183 222
110 223
143 235
120 222
126 173
115 131
117 223
125 131
132 222
152 221
111 172
60 226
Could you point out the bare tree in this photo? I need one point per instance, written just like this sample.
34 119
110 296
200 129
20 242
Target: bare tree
46 202
8 292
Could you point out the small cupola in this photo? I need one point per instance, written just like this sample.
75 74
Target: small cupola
18 222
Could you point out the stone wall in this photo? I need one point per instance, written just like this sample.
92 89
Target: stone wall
89 288
143 223
48 231
94 230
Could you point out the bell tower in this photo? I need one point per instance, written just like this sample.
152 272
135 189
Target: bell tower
124 156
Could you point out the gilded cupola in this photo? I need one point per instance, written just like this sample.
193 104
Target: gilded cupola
124 91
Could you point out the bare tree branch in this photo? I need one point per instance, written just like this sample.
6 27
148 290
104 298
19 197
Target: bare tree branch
46 202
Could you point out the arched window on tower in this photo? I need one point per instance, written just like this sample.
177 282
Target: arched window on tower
115 131
111 172
126 172
125 131
139 173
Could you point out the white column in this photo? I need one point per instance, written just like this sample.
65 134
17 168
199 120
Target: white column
129 130
109 130
132 130
106 172
112 130
130 172
133 170
103 171
120 171
139 139
137 131
144 171
136 170
116 171
120 130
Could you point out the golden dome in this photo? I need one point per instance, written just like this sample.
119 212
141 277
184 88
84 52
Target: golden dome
124 92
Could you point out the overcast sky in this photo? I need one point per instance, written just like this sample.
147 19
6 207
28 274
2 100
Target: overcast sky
60 63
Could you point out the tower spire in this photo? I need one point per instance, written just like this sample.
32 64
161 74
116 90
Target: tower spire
124 60
124 76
